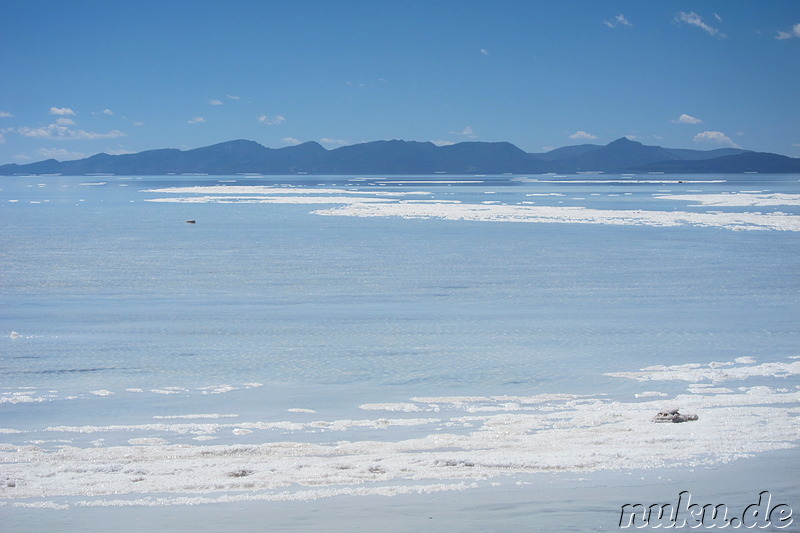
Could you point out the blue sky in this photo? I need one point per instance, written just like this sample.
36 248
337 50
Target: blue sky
80 77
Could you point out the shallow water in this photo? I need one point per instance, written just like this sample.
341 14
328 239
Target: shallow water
320 310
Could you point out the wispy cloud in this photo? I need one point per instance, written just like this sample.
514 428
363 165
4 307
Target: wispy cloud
119 151
2 138
715 137
339 142
484 52
196 120
65 122
214 101
791 34
5 114
272 121
61 154
687 119
582 135
693 19
62 132
233 97
63 111
467 132
291 140
619 20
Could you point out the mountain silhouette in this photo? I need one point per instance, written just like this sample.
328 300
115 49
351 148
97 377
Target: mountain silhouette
411 157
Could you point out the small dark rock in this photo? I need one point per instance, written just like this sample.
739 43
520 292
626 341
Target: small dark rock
672 415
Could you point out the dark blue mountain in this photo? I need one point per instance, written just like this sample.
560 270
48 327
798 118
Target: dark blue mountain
409 157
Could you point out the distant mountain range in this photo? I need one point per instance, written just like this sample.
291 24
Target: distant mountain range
410 157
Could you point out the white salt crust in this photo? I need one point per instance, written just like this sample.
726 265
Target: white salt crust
743 199
359 203
470 439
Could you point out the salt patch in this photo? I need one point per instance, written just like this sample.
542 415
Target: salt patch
715 374
198 416
218 389
403 407
625 181
736 200
567 215
702 389
148 441
169 390
650 394
264 190
269 200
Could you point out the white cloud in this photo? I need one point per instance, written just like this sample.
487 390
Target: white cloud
687 119
291 140
59 153
63 111
484 52
619 20
196 120
62 132
439 142
582 135
65 122
107 111
119 151
5 114
715 137
794 32
340 142
693 19
466 132
214 101
232 97
138 123
271 121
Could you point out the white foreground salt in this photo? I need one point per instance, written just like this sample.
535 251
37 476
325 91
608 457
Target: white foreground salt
465 440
